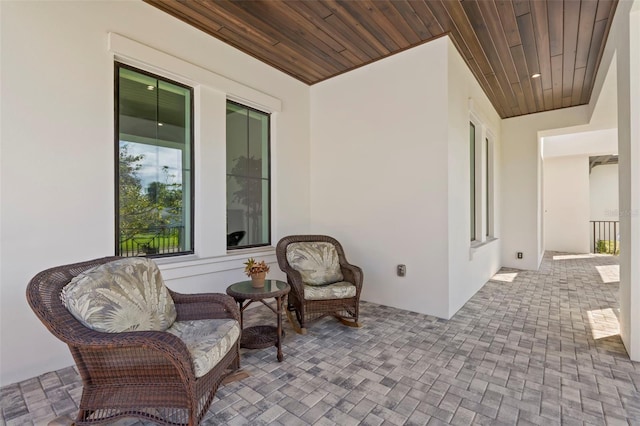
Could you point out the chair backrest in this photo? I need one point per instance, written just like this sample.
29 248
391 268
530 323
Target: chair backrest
125 295
43 295
281 247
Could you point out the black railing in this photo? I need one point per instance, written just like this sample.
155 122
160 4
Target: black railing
604 236
150 241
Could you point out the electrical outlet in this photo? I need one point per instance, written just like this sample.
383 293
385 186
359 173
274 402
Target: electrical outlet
519 255
401 270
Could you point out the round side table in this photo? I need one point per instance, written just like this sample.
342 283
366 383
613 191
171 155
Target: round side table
261 336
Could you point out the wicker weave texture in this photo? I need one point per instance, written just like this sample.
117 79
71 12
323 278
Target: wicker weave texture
308 310
144 374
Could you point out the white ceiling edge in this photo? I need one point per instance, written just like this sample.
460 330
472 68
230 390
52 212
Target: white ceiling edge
596 142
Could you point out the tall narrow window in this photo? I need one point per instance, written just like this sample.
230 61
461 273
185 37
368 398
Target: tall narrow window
154 164
487 185
472 183
248 177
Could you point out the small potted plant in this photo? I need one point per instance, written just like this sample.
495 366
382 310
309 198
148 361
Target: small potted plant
257 271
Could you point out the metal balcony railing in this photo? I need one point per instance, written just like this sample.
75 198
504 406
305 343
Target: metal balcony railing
150 241
604 236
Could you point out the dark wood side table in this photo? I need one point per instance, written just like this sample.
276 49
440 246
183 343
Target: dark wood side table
261 336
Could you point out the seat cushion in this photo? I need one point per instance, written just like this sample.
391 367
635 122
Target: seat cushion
123 295
339 290
316 261
208 340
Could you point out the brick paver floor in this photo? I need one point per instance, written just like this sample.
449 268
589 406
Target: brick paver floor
531 347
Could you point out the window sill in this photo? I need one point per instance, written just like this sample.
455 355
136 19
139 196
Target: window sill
250 250
480 246
193 265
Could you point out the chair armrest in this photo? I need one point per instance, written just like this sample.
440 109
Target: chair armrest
352 274
135 348
295 281
204 306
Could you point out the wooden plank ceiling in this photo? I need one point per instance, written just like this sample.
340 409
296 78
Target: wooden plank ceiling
504 42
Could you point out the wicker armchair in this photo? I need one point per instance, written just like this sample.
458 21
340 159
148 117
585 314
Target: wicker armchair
302 300
144 374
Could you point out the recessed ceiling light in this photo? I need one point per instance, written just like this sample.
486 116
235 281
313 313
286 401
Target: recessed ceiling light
150 87
536 75
160 124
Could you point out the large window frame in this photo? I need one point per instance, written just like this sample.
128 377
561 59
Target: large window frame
235 237
188 235
481 171
473 190
488 183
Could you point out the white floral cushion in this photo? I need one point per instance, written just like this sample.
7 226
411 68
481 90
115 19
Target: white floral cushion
316 261
123 295
339 290
208 341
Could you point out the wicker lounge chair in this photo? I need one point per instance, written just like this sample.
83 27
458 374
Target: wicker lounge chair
322 281
144 374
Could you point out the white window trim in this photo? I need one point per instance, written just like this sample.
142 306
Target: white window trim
188 219
490 184
270 179
139 55
214 257
485 188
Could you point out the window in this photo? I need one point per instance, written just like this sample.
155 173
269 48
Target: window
480 181
487 186
154 164
472 180
248 177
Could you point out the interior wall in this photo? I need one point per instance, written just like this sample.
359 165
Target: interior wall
603 193
57 170
379 172
566 204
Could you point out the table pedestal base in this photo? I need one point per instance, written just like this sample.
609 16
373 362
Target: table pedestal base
259 337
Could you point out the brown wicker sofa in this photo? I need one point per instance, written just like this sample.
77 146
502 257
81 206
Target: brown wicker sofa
311 301
144 374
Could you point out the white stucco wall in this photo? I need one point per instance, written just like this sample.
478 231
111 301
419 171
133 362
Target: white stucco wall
566 204
390 176
522 192
57 171
603 192
568 189
596 142
469 268
379 174
625 41
604 98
